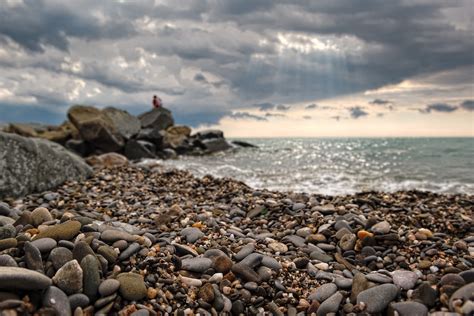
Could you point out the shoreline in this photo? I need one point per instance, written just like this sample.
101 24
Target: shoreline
167 241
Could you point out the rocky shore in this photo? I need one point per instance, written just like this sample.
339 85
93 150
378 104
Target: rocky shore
141 240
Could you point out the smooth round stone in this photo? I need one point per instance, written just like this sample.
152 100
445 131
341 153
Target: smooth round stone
22 279
409 308
192 234
33 257
44 245
425 294
465 293
66 244
331 305
4 209
81 250
368 251
251 286
112 235
216 278
120 244
7 231
244 252
404 279
271 263
58 300
206 293
40 215
451 279
378 278
108 287
59 256
131 250
69 277
222 264
468 275
141 312
265 273
298 206
67 230
245 272
320 256
343 283
132 286
322 266
6 221
347 242
326 247
378 297
196 264
90 266
381 228
359 284
191 281
304 232
253 260
7 261
78 300
278 247
8 243
108 253
323 292
295 240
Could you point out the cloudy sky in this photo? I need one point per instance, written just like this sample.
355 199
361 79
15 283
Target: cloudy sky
249 67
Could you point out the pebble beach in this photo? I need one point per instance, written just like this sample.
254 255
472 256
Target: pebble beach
144 240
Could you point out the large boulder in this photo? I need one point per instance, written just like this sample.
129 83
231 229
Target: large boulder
96 127
152 135
126 124
157 118
138 149
33 165
215 144
176 135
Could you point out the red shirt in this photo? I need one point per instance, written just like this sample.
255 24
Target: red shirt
156 102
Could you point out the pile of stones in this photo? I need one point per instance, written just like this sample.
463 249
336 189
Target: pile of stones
150 241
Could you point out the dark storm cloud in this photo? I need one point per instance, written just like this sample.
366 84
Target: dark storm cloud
357 111
282 107
264 106
200 78
468 105
246 116
380 102
274 115
439 107
37 23
250 51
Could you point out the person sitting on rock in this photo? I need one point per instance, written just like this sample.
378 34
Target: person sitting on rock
157 103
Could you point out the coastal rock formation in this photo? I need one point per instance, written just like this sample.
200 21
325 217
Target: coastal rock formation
157 119
126 124
92 131
96 127
32 164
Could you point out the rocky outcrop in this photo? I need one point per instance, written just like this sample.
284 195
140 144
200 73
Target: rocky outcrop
96 128
126 124
33 164
92 131
158 119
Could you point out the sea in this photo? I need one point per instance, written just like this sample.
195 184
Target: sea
340 166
